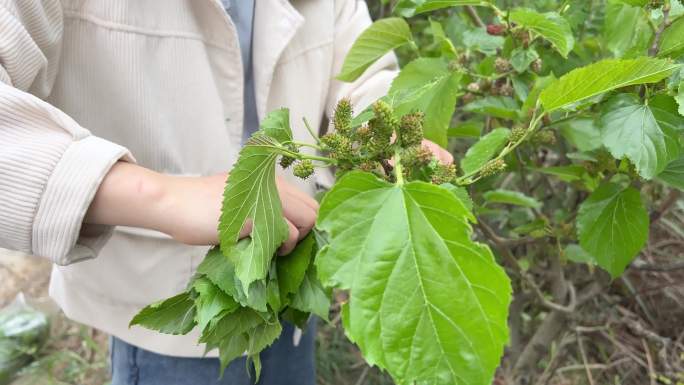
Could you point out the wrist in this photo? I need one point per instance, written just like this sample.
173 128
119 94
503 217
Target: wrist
131 195
161 193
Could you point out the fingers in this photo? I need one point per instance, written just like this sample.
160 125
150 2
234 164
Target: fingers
291 242
298 208
246 229
287 188
441 154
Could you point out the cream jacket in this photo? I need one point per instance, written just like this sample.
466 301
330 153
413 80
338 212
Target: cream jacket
86 83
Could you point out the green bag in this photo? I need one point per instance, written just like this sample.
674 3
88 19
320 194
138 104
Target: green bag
23 331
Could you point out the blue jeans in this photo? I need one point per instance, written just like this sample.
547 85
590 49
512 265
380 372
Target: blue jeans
283 364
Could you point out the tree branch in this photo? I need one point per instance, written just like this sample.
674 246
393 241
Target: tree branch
472 13
656 41
664 206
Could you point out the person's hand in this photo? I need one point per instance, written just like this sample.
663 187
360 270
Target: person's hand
441 154
186 208
198 201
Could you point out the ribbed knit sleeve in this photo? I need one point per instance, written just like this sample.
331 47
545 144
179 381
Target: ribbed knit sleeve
50 166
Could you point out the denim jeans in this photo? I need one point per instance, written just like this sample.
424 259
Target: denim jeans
283 364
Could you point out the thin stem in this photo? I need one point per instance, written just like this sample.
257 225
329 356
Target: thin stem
311 132
656 40
296 155
472 13
398 170
467 178
318 158
304 144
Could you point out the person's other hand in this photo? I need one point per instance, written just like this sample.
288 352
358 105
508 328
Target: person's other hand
441 154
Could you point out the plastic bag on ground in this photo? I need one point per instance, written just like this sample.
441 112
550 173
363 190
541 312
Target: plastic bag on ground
23 331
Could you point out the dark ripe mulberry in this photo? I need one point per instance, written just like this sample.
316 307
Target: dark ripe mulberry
444 173
493 167
496 29
411 129
468 97
303 169
342 117
502 65
286 161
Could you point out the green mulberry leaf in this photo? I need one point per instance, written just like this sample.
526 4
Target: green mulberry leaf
512 198
221 271
673 174
437 101
377 40
629 129
251 194
311 296
672 40
408 8
210 302
612 225
292 267
175 315
551 26
498 106
482 151
606 75
427 303
621 41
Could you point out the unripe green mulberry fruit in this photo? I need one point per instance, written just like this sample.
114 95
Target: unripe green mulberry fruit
303 169
339 146
473 87
411 129
286 161
362 134
517 133
416 157
455 65
378 146
537 65
368 166
331 141
342 117
545 137
385 122
505 90
493 167
606 162
502 65
444 173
